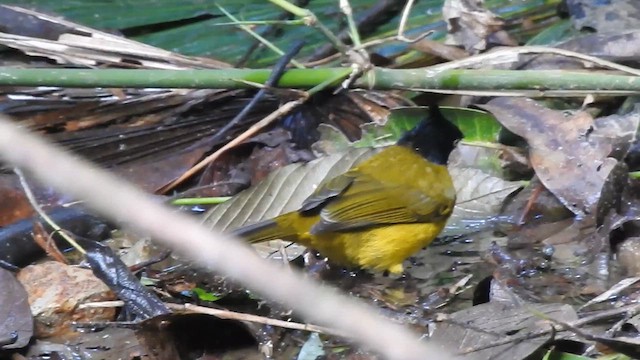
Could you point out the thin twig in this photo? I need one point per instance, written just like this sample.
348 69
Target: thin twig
353 28
262 40
628 315
232 315
279 69
336 56
403 23
282 110
312 20
224 314
36 206
603 315
506 189
45 241
510 55
530 93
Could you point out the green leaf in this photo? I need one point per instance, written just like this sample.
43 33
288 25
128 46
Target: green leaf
191 26
476 125
205 295
557 355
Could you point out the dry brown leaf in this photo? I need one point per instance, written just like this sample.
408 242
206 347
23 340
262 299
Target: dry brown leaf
472 26
570 154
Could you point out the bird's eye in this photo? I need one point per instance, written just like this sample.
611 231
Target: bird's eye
456 142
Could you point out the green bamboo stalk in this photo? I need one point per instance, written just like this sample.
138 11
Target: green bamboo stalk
378 78
497 80
196 79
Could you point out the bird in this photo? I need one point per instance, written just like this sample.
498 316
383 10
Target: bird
380 211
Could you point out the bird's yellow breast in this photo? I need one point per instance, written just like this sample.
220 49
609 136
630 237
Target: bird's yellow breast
380 248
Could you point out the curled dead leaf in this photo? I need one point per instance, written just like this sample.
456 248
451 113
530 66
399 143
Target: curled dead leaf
570 154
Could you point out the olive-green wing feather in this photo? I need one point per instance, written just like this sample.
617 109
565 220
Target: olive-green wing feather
326 192
272 229
368 202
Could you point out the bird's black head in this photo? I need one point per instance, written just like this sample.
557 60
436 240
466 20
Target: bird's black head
434 137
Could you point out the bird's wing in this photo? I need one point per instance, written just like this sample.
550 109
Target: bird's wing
326 192
368 202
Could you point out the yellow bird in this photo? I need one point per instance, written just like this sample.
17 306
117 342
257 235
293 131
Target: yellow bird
381 211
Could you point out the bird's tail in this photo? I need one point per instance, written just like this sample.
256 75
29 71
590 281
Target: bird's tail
265 231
